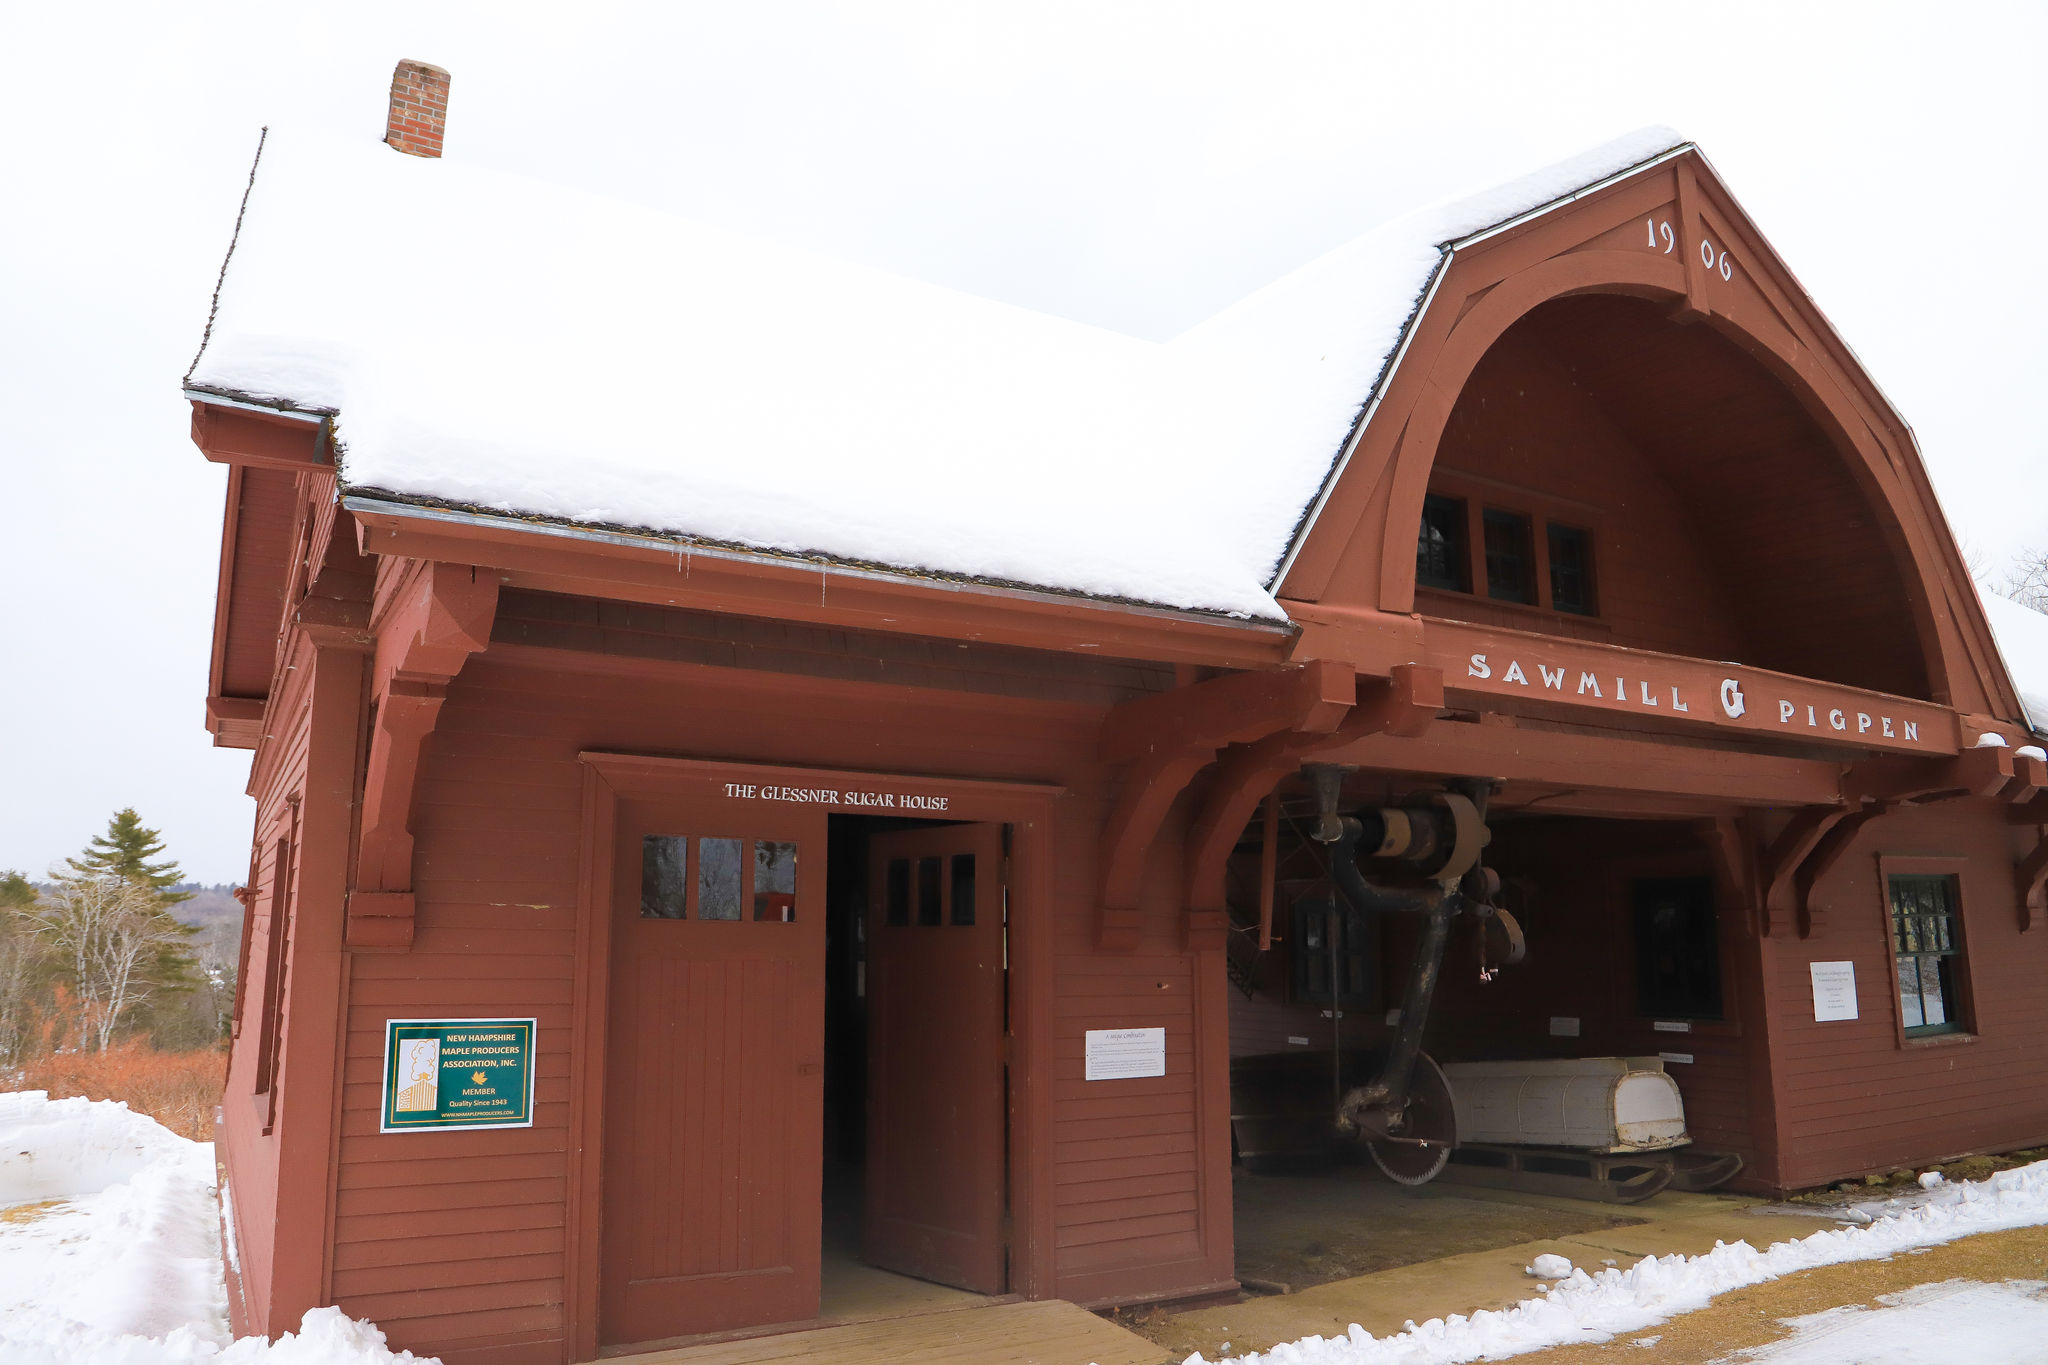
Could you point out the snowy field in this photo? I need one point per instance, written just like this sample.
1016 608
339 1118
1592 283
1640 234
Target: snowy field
110 1249
110 1255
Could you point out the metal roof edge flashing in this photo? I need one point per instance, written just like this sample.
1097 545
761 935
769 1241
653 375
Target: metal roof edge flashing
357 503
250 405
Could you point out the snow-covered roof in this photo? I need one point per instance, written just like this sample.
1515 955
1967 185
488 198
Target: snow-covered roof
2022 635
491 342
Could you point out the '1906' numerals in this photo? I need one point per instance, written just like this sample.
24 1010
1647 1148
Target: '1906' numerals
1661 234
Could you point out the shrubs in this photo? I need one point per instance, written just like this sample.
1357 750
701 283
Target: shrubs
177 1089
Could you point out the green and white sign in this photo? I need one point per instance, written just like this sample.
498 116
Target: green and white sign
457 1073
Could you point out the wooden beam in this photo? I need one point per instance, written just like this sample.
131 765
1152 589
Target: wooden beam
1168 737
1401 705
2031 882
235 722
232 436
1973 772
1235 709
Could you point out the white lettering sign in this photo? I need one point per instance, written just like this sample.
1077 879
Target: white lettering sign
832 796
1834 991
1119 1054
1682 1058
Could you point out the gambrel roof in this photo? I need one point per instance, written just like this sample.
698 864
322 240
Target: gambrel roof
486 342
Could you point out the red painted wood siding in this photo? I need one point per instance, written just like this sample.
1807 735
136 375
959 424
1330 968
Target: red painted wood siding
1852 1097
455 1241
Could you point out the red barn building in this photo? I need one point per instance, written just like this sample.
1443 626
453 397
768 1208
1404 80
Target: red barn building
752 754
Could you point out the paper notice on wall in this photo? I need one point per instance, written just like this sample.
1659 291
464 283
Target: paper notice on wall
1834 990
1117 1054
1564 1026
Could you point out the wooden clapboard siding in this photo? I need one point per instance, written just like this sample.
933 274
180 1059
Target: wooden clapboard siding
498 826
1853 1096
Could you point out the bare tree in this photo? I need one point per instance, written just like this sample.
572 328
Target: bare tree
2025 579
108 935
20 974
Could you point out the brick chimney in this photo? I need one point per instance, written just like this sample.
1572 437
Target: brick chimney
419 108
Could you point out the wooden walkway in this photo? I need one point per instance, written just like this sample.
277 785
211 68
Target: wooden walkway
1047 1332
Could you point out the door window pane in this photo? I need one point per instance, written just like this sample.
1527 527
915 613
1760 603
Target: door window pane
1678 947
664 882
927 891
963 888
896 911
775 881
718 878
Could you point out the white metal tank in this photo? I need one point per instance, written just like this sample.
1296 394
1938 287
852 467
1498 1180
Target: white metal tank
1601 1104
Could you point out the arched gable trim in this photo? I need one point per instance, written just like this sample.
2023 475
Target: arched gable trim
1362 531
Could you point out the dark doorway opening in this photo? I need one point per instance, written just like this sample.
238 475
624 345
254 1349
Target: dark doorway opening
915 1165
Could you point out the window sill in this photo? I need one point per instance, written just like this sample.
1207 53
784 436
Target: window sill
1938 1040
1456 606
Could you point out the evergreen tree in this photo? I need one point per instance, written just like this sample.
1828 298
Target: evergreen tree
16 891
125 851
131 853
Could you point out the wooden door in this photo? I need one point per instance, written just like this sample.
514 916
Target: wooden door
936 1173
715 1070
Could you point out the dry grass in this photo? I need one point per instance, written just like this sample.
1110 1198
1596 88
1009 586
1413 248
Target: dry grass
177 1089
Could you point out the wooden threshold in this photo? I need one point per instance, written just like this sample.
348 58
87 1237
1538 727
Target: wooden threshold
1035 1332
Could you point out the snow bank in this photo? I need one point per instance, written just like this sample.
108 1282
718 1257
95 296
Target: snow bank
65 1148
126 1270
1596 1307
2022 636
547 352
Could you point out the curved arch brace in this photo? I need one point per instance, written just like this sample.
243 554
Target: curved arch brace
1660 278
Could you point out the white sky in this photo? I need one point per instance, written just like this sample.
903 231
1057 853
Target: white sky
1136 166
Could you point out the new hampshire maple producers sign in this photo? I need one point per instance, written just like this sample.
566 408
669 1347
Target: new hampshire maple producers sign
457 1073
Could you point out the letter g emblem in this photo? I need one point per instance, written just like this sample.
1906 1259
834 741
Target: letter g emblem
1731 699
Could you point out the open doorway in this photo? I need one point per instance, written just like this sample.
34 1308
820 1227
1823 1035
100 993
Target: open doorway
915 1169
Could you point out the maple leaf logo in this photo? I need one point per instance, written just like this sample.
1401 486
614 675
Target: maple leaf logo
478 1076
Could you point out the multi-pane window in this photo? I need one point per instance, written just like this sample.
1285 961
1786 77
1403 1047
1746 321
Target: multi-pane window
1926 946
688 877
1441 559
1571 569
1460 544
1510 560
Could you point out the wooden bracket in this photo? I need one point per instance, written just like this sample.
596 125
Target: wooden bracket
2031 882
1790 849
1728 842
1825 854
1168 737
1403 704
429 619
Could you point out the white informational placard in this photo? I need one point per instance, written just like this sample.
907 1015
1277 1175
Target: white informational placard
1834 990
1119 1054
1564 1026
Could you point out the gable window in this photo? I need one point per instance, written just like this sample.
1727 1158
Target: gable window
1926 947
1510 559
1441 559
1571 568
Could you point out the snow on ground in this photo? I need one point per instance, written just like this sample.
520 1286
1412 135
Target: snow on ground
110 1249
1985 1324
1590 1308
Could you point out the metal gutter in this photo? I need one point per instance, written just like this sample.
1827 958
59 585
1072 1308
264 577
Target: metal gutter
592 535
